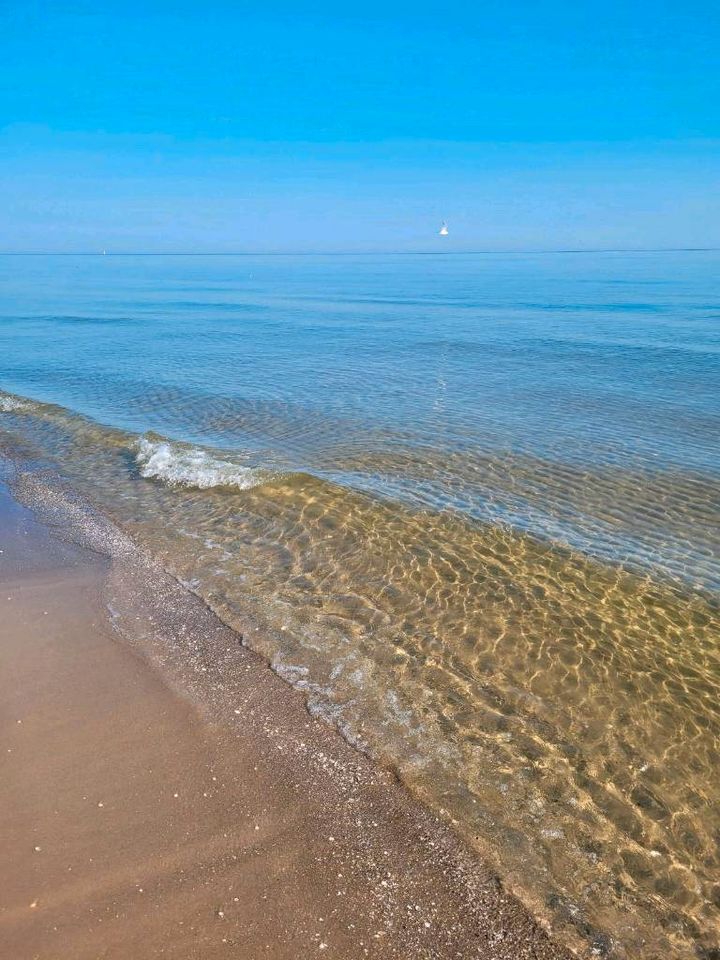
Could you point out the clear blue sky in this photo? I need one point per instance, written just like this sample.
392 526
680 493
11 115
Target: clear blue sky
213 126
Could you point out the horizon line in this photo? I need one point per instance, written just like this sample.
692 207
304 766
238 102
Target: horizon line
346 253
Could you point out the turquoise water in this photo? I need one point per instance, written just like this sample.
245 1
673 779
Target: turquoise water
472 503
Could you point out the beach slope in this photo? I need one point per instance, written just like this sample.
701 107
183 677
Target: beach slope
165 794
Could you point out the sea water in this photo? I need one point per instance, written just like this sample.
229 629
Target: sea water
470 505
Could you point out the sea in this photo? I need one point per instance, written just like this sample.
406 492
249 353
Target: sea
468 504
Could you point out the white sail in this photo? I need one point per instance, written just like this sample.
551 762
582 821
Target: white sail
444 230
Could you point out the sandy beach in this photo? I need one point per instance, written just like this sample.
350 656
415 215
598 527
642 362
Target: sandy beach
165 794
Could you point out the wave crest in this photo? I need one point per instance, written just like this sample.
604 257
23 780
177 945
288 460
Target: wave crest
185 466
11 404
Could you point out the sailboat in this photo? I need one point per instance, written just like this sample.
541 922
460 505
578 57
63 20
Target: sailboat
444 229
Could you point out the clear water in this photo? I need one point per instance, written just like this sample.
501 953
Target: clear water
470 504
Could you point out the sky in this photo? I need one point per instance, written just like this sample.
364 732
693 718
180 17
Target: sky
227 126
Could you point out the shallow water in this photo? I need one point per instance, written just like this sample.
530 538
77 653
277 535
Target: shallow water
469 503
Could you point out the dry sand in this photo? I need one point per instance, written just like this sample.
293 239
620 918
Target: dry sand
164 794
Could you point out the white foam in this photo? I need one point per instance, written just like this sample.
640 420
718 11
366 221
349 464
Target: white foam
185 466
10 404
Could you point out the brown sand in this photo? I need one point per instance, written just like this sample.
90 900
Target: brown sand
163 793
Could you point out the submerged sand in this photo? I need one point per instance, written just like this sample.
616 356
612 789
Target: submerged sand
165 794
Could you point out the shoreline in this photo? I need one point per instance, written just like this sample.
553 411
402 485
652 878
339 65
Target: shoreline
302 826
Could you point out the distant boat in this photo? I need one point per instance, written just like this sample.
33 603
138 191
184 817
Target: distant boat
444 230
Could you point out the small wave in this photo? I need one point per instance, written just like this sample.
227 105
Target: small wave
185 466
10 404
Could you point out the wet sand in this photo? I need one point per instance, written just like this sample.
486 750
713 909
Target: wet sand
163 793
